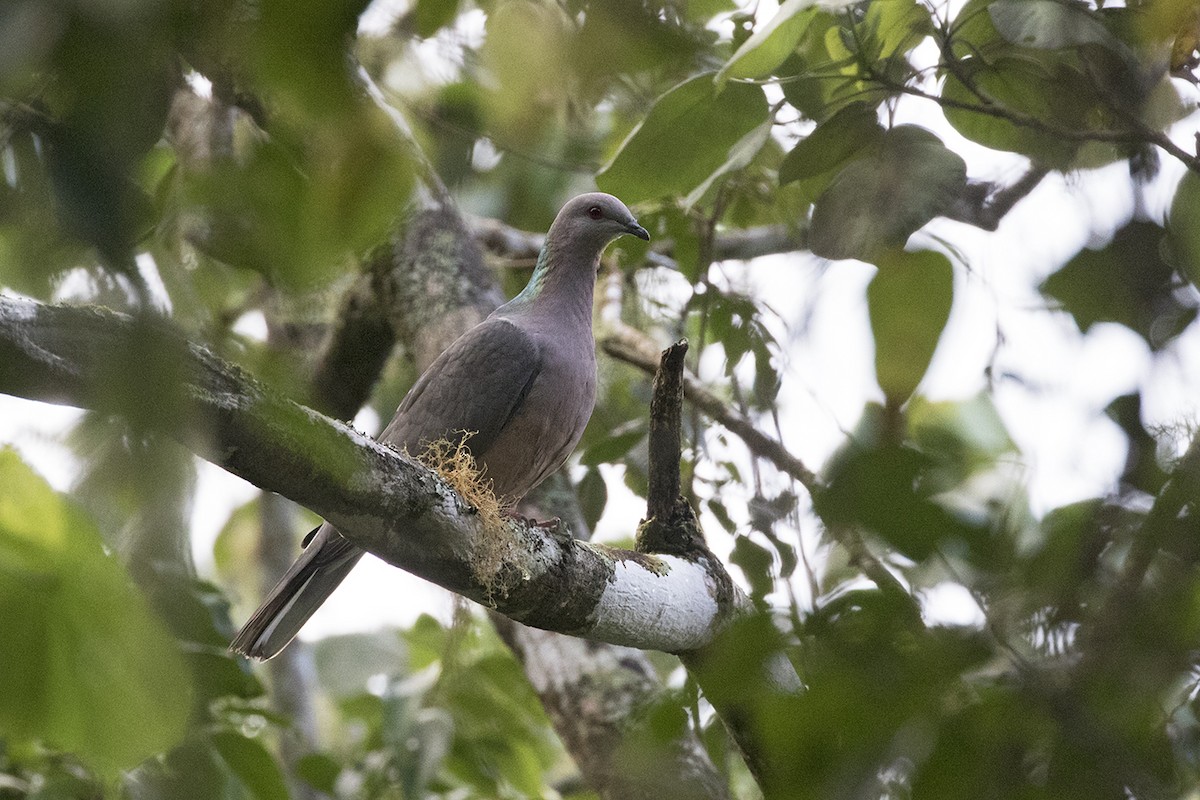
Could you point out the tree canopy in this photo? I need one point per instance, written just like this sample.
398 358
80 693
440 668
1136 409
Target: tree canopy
366 183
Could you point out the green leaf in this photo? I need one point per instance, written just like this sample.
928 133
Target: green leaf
909 302
1183 227
1020 87
895 27
433 15
755 562
610 449
879 200
770 45
1127 282
691 132
967 434
252 765
740 155
345 662
817 157
593 496
87 667
319 771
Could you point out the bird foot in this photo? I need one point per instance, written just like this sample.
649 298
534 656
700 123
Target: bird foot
552 525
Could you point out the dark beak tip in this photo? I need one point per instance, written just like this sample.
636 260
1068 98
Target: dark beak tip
639 231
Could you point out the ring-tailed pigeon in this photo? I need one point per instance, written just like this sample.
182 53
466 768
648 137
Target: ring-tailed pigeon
523 380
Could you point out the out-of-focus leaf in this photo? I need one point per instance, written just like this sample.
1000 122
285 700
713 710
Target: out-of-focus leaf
1142 469
609 450
963 436
1127 282
620 37
34 249
909 301
298 50
346 662
295 214
526 43
690 133
894 28
875 483
433 15
881 199
68 610
236 547
1056 95
1065 556
1047 24
816 158
755 562
1183 227
252 765
593 496
740 156
770 44
319 771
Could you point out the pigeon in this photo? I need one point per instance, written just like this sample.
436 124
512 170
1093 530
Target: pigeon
522 381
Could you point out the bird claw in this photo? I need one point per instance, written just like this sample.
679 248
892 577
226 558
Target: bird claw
552 525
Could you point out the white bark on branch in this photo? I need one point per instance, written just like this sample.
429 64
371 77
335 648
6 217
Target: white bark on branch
381 500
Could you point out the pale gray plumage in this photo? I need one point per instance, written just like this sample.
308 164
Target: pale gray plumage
524 380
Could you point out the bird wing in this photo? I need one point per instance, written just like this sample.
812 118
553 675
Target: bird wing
477 384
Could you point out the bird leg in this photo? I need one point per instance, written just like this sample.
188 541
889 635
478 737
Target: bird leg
552 525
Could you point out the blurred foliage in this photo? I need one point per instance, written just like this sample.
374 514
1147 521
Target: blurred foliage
221 161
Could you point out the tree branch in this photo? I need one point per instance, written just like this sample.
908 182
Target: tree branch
984 204
381 500
671 526
1138 134
630 345
522 247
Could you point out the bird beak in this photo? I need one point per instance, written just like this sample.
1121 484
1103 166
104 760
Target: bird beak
637 230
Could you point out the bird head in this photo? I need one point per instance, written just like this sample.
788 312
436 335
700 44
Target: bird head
593 220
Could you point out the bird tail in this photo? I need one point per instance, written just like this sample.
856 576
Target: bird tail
298 594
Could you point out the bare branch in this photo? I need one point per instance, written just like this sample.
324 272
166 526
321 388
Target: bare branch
985 204
521 247
630 345
1136 134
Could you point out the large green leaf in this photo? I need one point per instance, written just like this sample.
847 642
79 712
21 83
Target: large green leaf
771 44
895 27
878 201
816 158
1021 88
691 132
909 301
1127 282
1183 227
87 667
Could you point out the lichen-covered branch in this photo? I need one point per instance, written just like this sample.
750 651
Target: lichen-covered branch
671 526
381 500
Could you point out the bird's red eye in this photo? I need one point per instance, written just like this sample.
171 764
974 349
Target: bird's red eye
595 213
